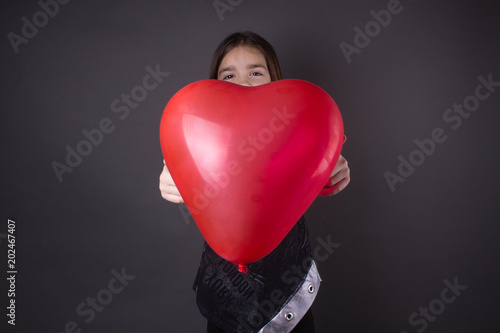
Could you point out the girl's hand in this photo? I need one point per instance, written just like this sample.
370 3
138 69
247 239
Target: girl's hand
339 178
167 187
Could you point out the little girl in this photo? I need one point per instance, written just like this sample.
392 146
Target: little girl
277 292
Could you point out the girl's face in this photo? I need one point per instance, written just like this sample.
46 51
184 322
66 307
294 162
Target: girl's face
244 65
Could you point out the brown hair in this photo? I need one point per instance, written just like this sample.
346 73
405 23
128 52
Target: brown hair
251 39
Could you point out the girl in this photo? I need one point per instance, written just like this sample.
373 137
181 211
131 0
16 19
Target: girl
277 292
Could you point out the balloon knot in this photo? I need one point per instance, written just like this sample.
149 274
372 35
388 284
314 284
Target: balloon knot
242 268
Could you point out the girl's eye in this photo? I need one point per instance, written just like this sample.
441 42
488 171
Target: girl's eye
228 77
256 73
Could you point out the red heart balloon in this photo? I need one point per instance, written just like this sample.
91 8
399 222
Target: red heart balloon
249 161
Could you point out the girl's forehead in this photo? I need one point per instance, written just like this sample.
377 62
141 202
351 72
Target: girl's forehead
243 50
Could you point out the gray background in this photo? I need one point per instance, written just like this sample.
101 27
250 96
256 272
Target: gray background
396 248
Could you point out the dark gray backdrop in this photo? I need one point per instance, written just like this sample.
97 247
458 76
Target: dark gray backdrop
396 251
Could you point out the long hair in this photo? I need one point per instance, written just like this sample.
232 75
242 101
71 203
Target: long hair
251 39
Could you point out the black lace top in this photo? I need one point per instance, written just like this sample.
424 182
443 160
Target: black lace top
245 302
